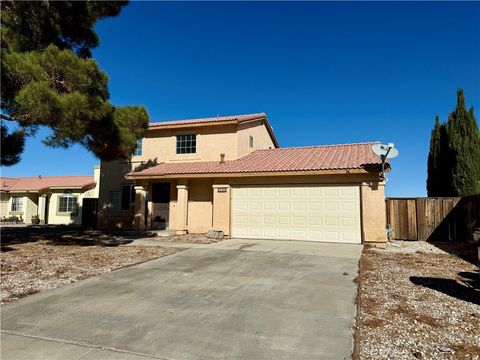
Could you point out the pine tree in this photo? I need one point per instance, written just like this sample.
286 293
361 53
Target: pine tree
49 79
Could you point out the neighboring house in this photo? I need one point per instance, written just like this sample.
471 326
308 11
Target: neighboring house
229 174
55 199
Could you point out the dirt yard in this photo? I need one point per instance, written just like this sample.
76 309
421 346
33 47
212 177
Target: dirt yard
189 238
33 262
417 301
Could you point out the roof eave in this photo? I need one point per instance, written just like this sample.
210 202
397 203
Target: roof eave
133 176
193 124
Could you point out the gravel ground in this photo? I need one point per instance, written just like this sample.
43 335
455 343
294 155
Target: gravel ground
188 238
417 301
36 266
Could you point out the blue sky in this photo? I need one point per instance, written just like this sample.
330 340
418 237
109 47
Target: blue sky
324 73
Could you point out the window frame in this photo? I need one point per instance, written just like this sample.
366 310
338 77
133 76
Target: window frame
131 204
13 204
139 149
119 200
185 144
72 200
250 141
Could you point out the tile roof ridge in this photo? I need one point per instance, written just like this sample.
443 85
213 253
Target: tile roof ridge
320 146
233 117
51 176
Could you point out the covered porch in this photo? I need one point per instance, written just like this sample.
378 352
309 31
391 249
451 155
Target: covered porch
186 205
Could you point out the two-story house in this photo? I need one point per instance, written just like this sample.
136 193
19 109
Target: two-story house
229 174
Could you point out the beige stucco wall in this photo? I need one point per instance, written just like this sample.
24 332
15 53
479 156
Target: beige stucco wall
374 219
261 137
221 208
211 142
200 199
230 139
112 177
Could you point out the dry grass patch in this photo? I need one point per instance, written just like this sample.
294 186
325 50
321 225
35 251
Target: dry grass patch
417 301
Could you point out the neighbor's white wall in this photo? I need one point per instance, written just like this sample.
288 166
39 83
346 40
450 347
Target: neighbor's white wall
24 206
4 203
30 206
74 219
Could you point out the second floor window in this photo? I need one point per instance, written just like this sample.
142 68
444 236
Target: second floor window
138 149
187 144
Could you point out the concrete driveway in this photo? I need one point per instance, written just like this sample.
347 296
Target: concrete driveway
237 299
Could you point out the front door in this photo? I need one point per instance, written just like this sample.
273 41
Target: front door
161 205
89 213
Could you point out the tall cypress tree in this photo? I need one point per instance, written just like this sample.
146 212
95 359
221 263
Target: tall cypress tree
454 158
464 148
434 163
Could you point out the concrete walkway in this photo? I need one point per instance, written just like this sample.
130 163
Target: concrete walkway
237 299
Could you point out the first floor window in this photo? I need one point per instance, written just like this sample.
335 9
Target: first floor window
187 144
17 203
114 200
128 197
67 204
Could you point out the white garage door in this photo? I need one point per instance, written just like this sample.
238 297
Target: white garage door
302 212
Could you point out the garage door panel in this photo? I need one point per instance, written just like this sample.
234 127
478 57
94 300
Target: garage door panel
300 205
300 212
332 236
299 220
315 206
255 220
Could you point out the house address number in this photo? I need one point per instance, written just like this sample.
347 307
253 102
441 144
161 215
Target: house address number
222 189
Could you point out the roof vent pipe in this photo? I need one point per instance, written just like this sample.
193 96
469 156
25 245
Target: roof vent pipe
222 158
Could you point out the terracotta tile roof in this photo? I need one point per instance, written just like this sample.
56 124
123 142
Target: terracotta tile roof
311 158
6 183
216 120
36 183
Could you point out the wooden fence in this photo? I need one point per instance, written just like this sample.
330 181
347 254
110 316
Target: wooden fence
433 219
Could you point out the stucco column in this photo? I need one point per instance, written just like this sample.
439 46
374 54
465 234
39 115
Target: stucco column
139 215
221 208
374 218
182 209
149 207
42 203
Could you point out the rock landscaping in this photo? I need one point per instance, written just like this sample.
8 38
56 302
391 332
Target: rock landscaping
418 301
38 259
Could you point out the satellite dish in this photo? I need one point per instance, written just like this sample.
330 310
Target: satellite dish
384 152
